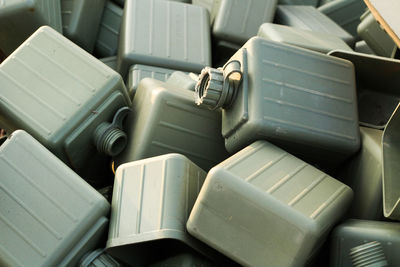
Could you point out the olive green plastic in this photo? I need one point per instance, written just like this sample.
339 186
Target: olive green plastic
376 38
310 18
238 20
108 34
60 94
81 21
362 47
363 173
299 2
320 42
165 120
368 255
265 207
184 259
346 13
98 258
151 202
353 233
211 5
183 80
49 215
377 81
165 34
301 100
110 61
20 18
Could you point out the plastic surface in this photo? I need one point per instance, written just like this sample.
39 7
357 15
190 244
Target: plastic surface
377 81
211 5
165 120
98 258
299 2
255 204
49 215
310 18
376 38
35 13
182 80
152 200
320 42
346 13
353 233
299 99
108 34
110 61
238 20
81 21
184 260
362 47
368 255
165 34
59 94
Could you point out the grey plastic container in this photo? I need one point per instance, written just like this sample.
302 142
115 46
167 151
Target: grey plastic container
377 81
320 42
265 207
165 120
151 202
363 173
184 259
61 95
299 2
165 34
310 18
376 38
239 20
354 233
346 13
49 215
368 255
108 34
211 5
362 47
81 21
110 61
98 258
301 100
19 19
183 80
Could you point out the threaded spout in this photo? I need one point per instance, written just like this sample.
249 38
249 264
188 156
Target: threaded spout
368 255
109 140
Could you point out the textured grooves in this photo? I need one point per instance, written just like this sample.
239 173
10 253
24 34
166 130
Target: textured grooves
51 10
66 13
369 254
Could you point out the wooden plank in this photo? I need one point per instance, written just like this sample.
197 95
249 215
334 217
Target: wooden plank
387 13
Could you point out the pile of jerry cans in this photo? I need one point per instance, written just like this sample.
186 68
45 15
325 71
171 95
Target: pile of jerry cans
199 133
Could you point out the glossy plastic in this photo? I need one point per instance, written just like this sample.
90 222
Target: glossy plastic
108 34
110 61
310 18
354 233
346 13
238 20
151 202
320 42
98 258
81 21
211 5
50 216
60 94
255 204
166 34
19 19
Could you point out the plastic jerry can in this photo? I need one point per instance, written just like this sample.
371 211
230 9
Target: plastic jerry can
376 38
363 173
346 13
81 21
377 79
151 202
98 258
108 34
138 72
320 42
301 100
165 120
110 61
238 20
265 207
19 19
186 81
184 259
310 18
165 34
299 2
49 215
211 5
369 254
362 47
353 233
64 97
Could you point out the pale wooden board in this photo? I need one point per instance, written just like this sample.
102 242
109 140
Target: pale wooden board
387 13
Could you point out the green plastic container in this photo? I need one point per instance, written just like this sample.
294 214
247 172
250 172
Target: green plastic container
98 258
211 5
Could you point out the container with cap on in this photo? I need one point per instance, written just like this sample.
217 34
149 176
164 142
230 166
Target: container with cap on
165 34
49 215
238 20
265 207
310 18
65 98
19 19
377 239
301 100
165 120
81 21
